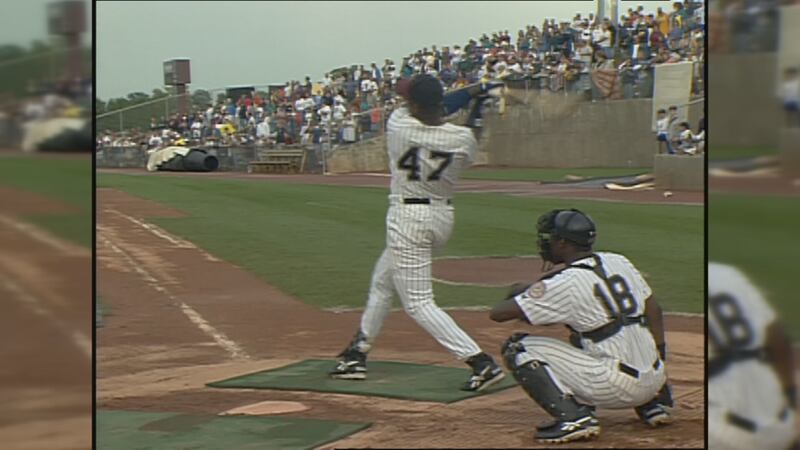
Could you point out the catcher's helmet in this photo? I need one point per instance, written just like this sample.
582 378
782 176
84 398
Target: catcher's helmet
569 224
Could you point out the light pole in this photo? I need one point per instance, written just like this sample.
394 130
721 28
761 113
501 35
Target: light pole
601 10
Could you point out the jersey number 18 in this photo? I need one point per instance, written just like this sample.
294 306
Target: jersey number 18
410 162
730 322
621 293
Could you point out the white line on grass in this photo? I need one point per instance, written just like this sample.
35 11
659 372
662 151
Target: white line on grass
219 337
459 283
348 309
161 233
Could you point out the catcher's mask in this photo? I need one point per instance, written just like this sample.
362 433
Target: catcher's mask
568 224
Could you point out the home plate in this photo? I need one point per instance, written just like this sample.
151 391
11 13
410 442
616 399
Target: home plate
266 408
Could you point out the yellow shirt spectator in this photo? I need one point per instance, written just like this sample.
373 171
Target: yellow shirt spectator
662 21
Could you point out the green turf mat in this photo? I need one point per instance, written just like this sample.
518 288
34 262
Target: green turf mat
391 379
131 430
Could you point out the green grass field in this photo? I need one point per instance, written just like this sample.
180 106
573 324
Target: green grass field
759 234
319 243
522 174
66 180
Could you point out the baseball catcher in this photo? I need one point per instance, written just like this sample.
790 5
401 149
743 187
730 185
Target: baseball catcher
615 358
752 396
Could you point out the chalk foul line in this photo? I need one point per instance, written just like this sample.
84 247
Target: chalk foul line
36 305
235 351
162 234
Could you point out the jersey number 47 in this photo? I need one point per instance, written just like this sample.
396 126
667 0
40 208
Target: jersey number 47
410 163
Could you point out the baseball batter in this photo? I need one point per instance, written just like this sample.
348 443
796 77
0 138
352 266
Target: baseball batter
615 358
426 156
751 393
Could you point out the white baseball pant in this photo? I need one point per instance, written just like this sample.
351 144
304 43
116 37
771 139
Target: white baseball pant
412 234
591 380
750 393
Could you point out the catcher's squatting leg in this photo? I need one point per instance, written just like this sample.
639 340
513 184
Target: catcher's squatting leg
590 380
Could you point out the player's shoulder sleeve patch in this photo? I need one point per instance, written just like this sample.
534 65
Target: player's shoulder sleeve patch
537 289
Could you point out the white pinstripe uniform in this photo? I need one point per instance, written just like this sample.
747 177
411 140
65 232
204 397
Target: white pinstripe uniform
592 374
738 315
425 162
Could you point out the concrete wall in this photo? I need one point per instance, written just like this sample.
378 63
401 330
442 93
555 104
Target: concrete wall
121 157
10 132
557 130
679 172
790 150
365 156
743 107
234 158
230 159
551 130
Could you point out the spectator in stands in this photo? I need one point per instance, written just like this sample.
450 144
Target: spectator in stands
325 115
376 74
628 78
389 70
672 126
263 129
790 96
700 137
640 50
662 132
348 129
687 143
154 142
197 128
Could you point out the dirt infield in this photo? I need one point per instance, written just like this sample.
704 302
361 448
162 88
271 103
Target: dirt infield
45 285
777 185
516 188
180 318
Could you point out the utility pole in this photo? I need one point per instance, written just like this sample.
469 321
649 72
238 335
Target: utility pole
601 10
614 13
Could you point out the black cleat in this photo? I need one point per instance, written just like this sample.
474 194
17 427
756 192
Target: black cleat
560 432
485 373
351 366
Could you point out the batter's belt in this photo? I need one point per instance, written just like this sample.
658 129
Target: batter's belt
424 201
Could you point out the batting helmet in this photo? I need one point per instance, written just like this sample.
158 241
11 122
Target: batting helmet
426 91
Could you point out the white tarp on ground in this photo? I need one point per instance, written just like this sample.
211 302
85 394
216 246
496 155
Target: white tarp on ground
37 131
673 86
789 36
159 157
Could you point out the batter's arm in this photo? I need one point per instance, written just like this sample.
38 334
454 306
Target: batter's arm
655 322
475 119
779 354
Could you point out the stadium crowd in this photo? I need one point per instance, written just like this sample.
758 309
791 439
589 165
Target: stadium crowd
743 26
354 102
